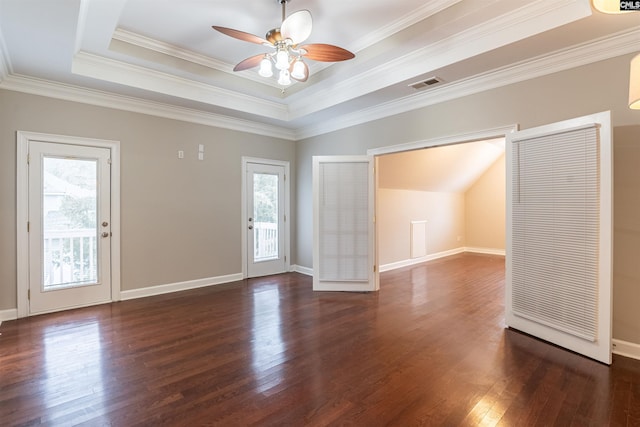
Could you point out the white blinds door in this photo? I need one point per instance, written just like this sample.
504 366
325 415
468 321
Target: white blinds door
559 234
343 232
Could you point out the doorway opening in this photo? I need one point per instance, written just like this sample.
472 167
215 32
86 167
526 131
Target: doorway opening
440 201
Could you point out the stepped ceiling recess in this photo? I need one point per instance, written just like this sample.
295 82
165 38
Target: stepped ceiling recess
162 57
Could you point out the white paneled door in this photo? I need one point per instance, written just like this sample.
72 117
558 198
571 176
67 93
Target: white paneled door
343 224
69 226
559 234
265 213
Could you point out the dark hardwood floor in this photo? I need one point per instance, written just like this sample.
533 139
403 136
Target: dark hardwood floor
429 349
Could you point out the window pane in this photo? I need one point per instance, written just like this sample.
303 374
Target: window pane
265 214
69 212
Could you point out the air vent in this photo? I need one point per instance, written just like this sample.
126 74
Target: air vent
426 83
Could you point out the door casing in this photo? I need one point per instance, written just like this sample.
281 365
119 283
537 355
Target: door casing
244 216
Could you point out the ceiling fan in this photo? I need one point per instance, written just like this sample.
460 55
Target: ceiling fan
287 53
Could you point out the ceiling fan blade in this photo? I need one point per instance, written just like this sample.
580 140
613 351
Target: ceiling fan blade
250 62
326 52
241 35
297 26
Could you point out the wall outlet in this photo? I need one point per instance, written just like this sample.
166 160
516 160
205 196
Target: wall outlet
180 154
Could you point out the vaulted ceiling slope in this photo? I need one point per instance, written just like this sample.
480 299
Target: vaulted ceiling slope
163 58
444 169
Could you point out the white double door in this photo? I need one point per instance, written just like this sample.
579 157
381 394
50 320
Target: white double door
69 226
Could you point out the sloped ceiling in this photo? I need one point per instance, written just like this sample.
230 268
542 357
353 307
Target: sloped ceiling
447 169
162 57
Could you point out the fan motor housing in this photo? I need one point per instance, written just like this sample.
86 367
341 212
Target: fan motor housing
273 36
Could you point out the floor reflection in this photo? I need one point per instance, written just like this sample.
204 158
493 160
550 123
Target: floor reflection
419 285
73 371
267 347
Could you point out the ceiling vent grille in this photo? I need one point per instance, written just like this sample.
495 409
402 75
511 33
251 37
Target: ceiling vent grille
426 83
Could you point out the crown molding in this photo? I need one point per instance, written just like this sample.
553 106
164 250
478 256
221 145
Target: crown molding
423 12
526 21
5 61
186 55
601 49
171 50
110 70
586 53
66 92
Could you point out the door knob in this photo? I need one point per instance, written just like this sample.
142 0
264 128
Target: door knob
105 223
251 227
105 234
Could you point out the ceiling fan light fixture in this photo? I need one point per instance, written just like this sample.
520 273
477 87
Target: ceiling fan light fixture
287 54
282 59
265 67
285 78
299 71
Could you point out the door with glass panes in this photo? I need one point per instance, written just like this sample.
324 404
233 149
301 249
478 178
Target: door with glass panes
265 219
69 226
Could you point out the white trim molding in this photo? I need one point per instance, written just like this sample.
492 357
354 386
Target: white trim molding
438 255
583 54
10 314
625 348
414 261
479 135
486 251
98 98
593 51
179 286
307 271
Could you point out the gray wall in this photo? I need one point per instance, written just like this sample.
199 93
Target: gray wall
577 92
180 218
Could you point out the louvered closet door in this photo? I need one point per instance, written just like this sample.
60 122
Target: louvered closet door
559 234
343 201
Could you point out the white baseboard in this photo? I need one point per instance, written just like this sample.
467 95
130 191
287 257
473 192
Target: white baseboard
180 286
488 251
10 314
302 270
414 261
431 257
624 348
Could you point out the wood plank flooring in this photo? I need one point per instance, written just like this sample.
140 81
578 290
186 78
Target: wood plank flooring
429 349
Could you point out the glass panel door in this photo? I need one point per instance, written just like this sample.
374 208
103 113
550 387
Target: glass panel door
265 219
69 226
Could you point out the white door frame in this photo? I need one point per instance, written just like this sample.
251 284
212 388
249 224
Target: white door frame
287 209
22 210
480 135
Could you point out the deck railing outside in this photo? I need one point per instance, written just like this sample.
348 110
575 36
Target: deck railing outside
265 243
70 257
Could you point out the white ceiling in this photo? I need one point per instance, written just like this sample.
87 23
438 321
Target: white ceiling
162 57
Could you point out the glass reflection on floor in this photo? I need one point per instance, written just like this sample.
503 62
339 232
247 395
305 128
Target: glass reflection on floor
73 371
267 347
